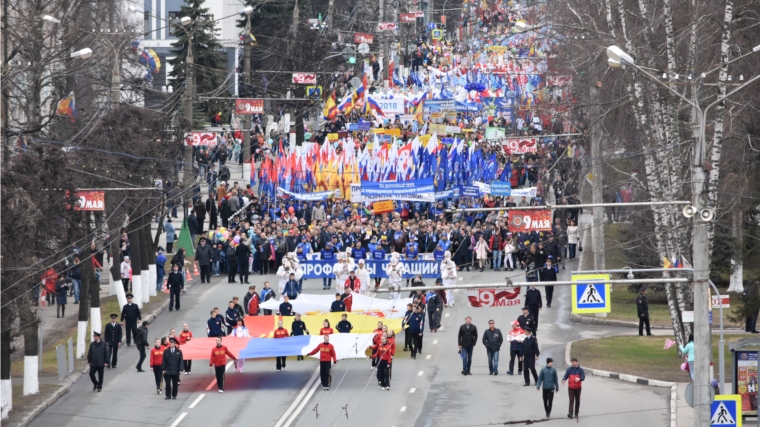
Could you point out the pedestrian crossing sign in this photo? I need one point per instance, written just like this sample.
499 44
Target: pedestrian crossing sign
725 410
591 293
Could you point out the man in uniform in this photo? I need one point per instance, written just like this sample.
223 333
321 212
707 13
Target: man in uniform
529 356
171 366
416 329
113 339
642 308
534 303
131 314
97 358
326 354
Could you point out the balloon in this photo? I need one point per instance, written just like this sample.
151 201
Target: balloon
291 210
218 235
225 235
211 234
222 229
236 239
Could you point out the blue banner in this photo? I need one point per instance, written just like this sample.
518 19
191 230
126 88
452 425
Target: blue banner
318 269
470 191
501 188
447 194
308 197
362 126
467 106
439 105
391 189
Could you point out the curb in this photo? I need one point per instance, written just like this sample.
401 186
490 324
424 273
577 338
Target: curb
577 318
76 374
630 379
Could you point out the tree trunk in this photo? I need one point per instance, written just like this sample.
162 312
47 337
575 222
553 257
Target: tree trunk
84 300
6 388
88 274
145 252
135 254
151 256
117 288
30 330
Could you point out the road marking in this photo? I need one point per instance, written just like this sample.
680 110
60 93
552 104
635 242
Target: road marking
195 403
301 400
227 368
428 356
403 408
435 341
213 383
419 374
446 315
412 390
180 418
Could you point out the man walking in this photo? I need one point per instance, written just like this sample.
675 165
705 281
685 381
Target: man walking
492 339
141 342
515 339
574 377
529 356
434 309
131 314
97 358
326 354
549 274
547 380
218 362
192 226
156 364
416 328
642 308
281 332
203 255
534 303
113 339
172 365
468 336
175 282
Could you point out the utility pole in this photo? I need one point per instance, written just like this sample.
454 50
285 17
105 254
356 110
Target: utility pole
187 168
383 45
597 229
330 7
247 82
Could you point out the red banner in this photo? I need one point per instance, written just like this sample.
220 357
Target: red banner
406 18
494 297
521 145
387 26
90 200
200 139
304 78
249 106
530 220
363 38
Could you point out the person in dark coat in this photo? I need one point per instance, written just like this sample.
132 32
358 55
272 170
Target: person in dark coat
179 259
493 339
642 308
61 289
468 337
243 251
192 226
213 212
526 320
175 282
131 314
534 303
529 356
200 213
549 274
434 308
97 358
203 254
113 339
172 366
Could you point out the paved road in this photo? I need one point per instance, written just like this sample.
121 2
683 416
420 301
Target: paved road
429 391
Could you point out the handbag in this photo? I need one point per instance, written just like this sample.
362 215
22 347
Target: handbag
176 237
580 248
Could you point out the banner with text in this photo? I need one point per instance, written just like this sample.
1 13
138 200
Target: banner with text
520 145
394 189
307 197
494 297
358 197
530 220
318 269
90 200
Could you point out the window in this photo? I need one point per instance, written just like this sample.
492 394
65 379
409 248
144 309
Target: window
173 16
146 21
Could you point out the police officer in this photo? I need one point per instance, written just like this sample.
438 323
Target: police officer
171 366
97 358
529 356
130 314
416 328
534 303
113 339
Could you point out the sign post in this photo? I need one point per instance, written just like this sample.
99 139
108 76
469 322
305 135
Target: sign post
591 294
724 411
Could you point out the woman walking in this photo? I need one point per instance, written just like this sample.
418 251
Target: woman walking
572 238
688 351
481 251
61 288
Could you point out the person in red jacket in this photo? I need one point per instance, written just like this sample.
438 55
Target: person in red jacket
383 352
281 332
326 354
156 360
253 304
184 337
352 283
377 339
348 296
326 329
218 362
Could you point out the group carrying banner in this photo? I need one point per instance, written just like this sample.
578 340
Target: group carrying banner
419 189
318 269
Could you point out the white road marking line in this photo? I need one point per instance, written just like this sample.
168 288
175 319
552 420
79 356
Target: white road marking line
412 390
213 383
428 356
195 403
303 403
179 419
298 399
227 368
446 315
435 341
403 408
419 374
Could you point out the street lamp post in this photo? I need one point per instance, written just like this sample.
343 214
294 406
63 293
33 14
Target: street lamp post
702 348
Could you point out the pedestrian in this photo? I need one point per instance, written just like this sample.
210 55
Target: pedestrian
434 308
214 325
171 234
97 358
416 329
549 274
526 320
642 308
515 339
156 364
192 226
547 380
175 282
266 294
286 308
574 377
344 326
688 351
280 332
383 352
141 342
218 362
184 337
251 301
405 327
203 254
534 303
492 339
468 337
160 270
61 289
130 315
113 340
292 287
75 273
297 329
126 273
326 354
529 356
172 365
231 317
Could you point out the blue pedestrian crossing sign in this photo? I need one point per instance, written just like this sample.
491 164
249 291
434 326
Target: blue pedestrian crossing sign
591 293
725 410
437 34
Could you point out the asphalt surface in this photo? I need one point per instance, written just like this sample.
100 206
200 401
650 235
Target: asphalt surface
428 391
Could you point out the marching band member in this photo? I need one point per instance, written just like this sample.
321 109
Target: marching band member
449 274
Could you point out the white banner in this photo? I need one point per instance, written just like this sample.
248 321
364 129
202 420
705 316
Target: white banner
524 192
357 197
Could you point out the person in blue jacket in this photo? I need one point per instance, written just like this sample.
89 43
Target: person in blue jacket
327 254
160 270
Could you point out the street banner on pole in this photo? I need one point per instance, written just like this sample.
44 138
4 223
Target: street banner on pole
249 106
530 220
494 297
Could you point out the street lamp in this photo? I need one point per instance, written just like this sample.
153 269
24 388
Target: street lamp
700 246
82 54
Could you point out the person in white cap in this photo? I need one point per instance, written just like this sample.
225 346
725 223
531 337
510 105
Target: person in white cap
363 274
350 259
341 270
396 272
284 274
449 276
